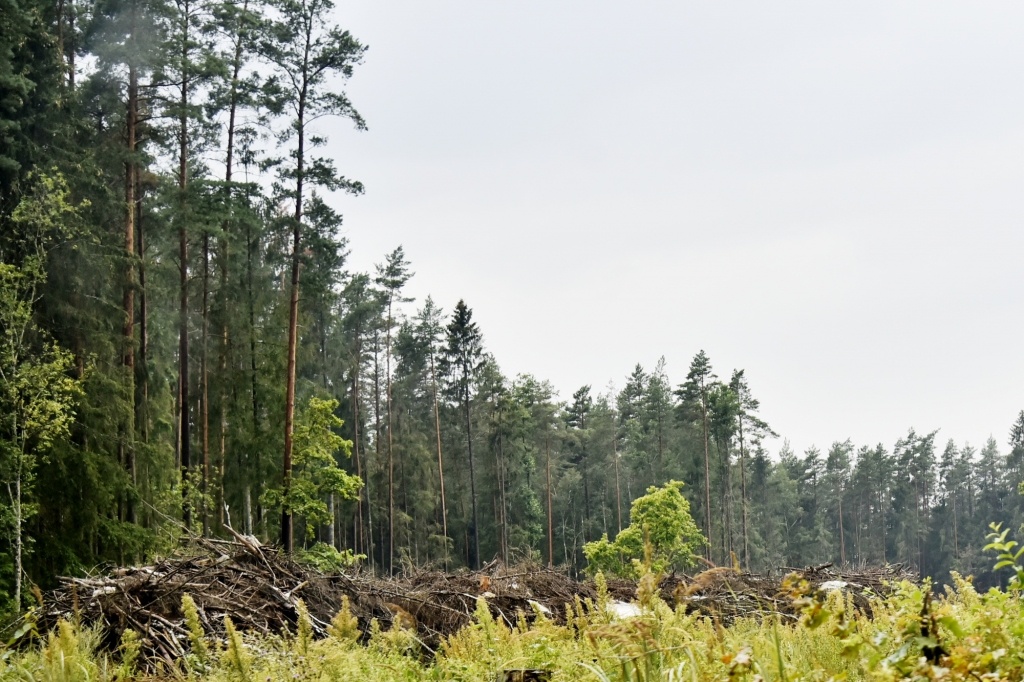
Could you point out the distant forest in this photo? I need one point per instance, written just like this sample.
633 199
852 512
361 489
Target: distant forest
183 347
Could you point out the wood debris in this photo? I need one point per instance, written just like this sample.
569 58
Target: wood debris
260 588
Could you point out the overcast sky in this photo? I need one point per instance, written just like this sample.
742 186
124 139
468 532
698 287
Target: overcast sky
830 197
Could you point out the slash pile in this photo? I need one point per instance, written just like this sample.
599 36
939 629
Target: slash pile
726 593
259 588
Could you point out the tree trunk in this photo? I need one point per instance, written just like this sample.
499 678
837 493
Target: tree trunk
842 536
618 493
956 543
183 366
391 450
440 464
358 537
499 461
143 314
376 427
254 377
743 494
472 477
236 68
129 288
247 509
289 402
293 320
585 464
707 468
204 377
551 528
726 499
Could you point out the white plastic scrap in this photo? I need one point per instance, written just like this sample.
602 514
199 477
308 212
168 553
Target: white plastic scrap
621 609
540 607
106 589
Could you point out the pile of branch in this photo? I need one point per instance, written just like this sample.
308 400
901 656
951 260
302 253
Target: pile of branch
728 593
260 588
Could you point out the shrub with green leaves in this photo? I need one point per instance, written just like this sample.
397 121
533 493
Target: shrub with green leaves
660 519
315 473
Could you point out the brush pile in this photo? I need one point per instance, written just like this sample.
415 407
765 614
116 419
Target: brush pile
260 588
727 593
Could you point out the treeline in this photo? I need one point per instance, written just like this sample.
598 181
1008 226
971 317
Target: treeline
181 336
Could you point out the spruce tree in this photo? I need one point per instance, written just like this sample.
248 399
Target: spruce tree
463 358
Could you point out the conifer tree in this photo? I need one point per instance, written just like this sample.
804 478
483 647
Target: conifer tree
308 53
463 358
391 277
694 396
750 427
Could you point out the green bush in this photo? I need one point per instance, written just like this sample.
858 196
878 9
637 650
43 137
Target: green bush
660 525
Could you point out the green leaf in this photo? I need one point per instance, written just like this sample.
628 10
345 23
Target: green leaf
951 624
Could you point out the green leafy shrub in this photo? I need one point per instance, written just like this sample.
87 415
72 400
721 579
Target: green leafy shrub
316 473
660 519
327 559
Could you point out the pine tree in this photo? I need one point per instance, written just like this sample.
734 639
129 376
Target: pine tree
307 53
391 277
694 396
837 473
750 428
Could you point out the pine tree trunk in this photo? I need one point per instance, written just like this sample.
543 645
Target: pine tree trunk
551 528
183 367
247 509
440 464
254 376
956 543
391 451
376 427
143 313
726 500
129 290
707 468
289 405
293 321
842 536
475 562
205 372
358 537
236 68
743 495
618 493
499 465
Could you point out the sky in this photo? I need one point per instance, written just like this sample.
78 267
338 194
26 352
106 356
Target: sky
827 195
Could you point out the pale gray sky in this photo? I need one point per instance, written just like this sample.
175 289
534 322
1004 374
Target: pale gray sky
829 196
